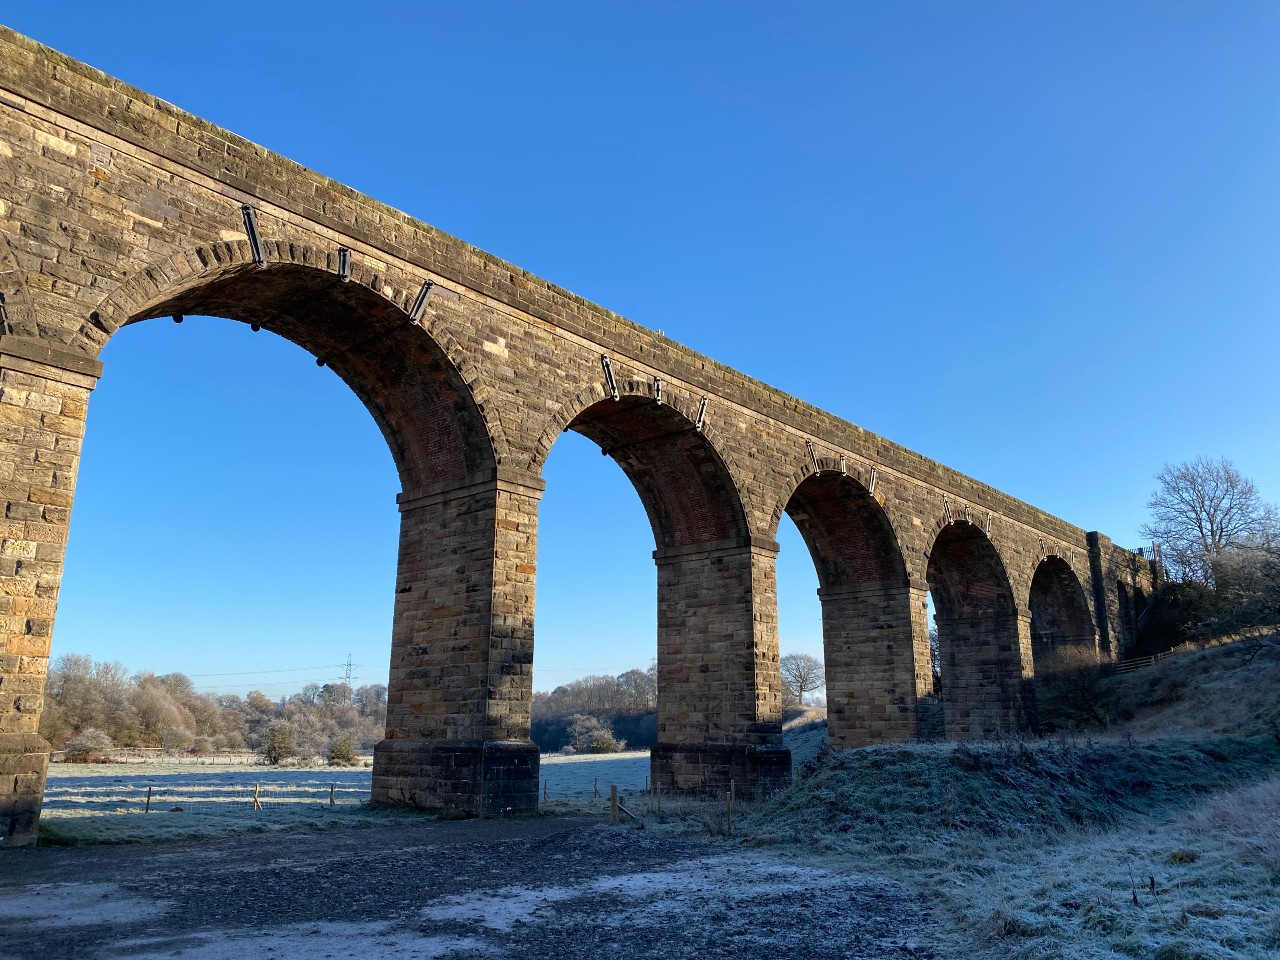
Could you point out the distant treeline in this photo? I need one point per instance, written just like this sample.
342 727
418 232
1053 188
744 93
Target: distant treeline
624 707
146 710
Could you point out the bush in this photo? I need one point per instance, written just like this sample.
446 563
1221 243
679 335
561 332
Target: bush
342 752
590 735
176 741
278 744
88 746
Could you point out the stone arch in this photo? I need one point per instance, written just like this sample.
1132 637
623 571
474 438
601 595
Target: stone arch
416 383
801 468
1063 635
1140 604
849 534
719 685
982 671
630 387
681 477
459 691
865 591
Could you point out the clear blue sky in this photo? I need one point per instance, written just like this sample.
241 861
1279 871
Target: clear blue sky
1038 243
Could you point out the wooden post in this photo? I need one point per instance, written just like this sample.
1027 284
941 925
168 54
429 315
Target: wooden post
331 786
546 789
728 810
613 804
596 784
148 807
257 804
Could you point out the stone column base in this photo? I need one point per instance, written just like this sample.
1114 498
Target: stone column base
24 760
756 771
459 778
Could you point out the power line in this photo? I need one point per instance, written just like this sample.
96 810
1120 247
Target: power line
252 673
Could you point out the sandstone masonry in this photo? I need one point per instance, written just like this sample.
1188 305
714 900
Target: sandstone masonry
116 207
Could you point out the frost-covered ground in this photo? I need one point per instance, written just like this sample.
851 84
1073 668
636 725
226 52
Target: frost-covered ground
105 803
566 887
1061 849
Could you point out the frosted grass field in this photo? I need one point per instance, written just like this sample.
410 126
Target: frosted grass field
105 803
107 788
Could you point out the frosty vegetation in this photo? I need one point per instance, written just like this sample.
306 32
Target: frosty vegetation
93 707
599 714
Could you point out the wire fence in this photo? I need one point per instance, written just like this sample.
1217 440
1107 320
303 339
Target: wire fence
1137 663
194 793
617 787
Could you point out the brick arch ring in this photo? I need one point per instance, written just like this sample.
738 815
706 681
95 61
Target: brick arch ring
942 522
802 468
189 269
1053 551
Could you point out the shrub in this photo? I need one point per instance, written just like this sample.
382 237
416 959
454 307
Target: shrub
278 744
342 752
176 741
590 735
88 746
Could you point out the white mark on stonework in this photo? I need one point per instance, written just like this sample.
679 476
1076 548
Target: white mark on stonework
496 347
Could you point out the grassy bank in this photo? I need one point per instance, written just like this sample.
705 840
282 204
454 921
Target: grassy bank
1062 848
1104 845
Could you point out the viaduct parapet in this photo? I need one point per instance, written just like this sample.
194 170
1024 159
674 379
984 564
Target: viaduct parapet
116 207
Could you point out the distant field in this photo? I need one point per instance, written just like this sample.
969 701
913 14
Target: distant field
107 802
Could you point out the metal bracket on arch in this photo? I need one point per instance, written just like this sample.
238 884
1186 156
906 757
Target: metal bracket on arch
420 304
609 381
702 416
251 228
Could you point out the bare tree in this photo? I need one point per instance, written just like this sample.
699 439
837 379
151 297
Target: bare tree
800 674
1203 511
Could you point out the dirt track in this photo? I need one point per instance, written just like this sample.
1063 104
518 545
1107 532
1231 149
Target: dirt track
543 887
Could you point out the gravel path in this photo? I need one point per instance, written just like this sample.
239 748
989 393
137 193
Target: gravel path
559 887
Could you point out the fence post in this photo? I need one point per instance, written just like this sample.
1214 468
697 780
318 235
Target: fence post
331 786
147 809
257 805
613 804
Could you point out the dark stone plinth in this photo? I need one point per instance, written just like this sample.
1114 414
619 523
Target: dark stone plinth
462 778
24 760
756 770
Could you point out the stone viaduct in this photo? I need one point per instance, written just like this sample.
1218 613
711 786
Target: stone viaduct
116 207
